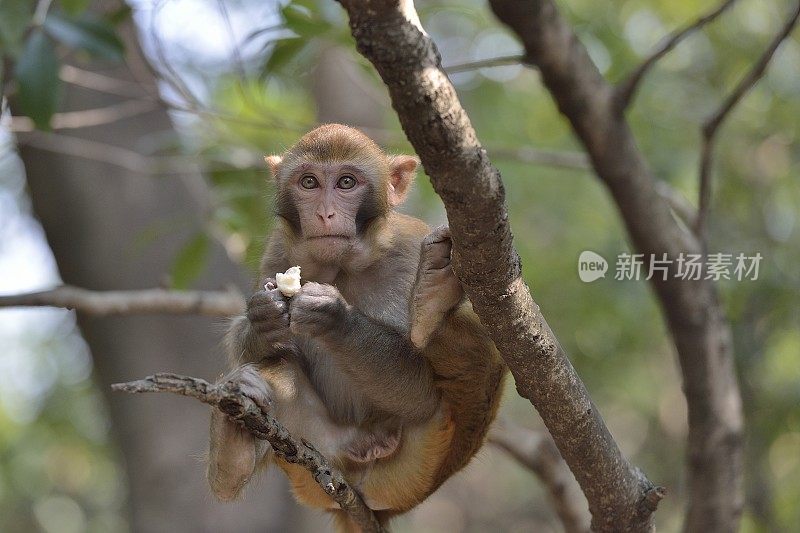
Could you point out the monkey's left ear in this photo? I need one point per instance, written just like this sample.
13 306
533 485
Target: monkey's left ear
274 162
402 169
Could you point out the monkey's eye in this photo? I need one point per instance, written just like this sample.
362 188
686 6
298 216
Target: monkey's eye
346 182
309 182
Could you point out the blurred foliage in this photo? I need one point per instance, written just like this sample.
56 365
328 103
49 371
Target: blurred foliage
612 329
28 37
58 473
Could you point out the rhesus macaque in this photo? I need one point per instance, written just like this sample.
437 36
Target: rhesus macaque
379 361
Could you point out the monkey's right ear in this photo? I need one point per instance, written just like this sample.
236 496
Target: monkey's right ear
274 162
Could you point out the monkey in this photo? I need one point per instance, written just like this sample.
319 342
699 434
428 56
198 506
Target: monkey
379 361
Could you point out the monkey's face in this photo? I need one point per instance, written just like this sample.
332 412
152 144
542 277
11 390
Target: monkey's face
332 186
334 203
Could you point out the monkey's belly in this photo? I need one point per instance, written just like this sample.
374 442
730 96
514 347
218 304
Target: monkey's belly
398 483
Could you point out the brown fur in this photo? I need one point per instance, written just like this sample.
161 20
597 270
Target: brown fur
378 280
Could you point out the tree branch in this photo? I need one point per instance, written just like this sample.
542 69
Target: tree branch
105 153
242 410
499 61
626 89
145 301
549 158
95 81
86 118
713 123
537 452
389 35
692 309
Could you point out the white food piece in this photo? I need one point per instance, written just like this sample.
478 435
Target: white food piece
289 282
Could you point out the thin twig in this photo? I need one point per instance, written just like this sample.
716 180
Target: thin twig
95 81
146 301
242 410
712 124
678 203
550 158
500 61
626 89
536 451
168 74
40 14
237 56
682 208
108 154
86 118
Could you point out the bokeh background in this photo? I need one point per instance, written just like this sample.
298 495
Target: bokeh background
168 188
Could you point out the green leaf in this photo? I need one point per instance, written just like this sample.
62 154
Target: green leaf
303 21
37 76
120 15
190 262
75 7
95 36
15 15
283 52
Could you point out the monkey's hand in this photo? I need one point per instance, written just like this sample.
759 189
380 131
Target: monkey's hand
268 314
437 289
317 309
234 452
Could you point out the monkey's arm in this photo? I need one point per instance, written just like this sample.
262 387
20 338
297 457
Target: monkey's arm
381 360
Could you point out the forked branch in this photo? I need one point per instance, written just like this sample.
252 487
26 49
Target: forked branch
712 124
242 410
626 90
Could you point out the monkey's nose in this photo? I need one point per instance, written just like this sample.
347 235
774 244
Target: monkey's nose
326 220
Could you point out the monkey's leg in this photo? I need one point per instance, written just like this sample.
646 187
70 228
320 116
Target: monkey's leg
437 289
281 388
233 451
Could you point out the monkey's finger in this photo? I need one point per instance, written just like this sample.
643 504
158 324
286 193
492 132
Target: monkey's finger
269 307
273 297
253 385
314 288
271 330
266 319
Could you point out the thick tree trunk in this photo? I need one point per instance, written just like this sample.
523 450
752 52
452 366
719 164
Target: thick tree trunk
93 213
692 309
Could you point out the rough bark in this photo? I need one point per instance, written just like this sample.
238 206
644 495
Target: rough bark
242 410
388 34
692 308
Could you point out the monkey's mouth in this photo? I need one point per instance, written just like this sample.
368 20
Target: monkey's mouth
332 236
